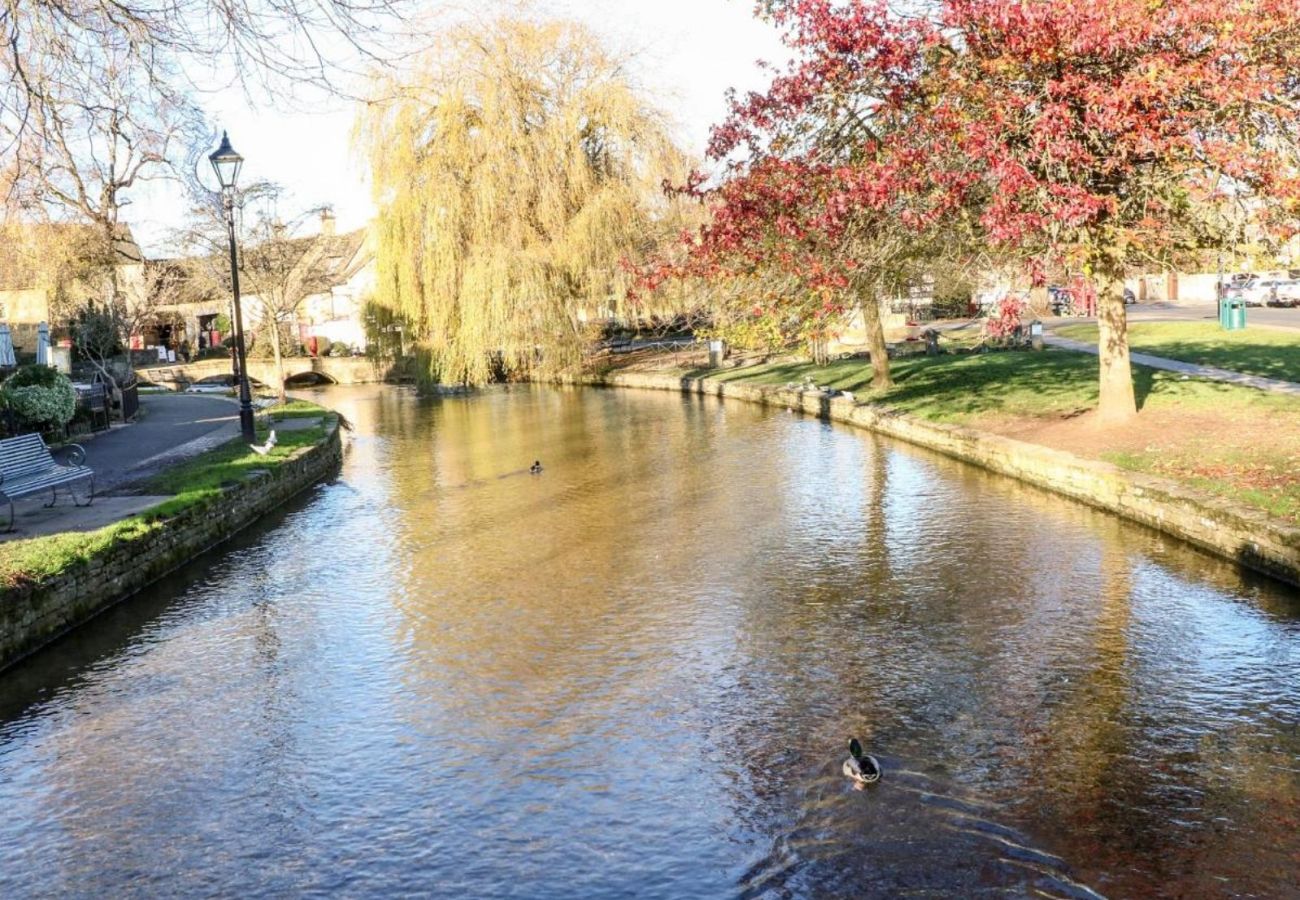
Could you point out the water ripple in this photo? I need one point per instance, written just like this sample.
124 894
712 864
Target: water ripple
636 674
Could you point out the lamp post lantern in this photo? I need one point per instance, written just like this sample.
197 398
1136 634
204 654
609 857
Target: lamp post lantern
226 163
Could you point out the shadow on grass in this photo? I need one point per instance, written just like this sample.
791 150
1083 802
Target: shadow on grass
1269 360
1051 384
1271 354
952 386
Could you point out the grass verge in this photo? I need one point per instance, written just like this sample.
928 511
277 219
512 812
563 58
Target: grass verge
1254 351
194 482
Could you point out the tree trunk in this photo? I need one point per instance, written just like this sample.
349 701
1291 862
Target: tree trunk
1116 400
1040 303
869 306
279 360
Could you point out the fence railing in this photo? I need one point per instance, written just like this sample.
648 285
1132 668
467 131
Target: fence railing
130 401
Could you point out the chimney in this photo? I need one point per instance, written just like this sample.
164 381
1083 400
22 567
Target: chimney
327 222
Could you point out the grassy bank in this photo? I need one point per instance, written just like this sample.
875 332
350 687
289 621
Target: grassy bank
191 483
1255 351
1236 442
962 388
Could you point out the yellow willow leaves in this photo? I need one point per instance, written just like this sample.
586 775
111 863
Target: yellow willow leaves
515 168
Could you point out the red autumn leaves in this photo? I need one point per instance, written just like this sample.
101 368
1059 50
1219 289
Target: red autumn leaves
1093 134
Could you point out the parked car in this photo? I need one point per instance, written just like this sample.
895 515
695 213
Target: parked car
1285 294
1065 302
1255 292
1061 300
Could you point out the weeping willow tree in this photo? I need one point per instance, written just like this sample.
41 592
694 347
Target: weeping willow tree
517 170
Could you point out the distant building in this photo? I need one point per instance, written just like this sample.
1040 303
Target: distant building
337 313
186 307
199 316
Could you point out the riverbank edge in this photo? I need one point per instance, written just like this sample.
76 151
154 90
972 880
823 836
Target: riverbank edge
1237 533
34 615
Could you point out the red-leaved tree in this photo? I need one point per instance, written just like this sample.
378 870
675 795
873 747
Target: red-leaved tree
822 201
1102 128
1086 135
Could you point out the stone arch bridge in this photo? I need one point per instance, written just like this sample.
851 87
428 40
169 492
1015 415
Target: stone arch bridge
333 369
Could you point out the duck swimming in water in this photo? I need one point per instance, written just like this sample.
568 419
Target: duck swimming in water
535 468
861 767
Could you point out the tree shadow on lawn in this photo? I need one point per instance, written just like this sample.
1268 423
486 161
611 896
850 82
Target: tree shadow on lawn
1013 382
1279 361
952 384
1055 383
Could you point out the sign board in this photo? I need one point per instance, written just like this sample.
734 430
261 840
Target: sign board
61 359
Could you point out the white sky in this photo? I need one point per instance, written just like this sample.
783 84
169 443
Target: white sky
689 52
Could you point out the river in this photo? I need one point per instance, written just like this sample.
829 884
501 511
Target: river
636 674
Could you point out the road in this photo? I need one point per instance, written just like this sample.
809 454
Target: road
1263 316
1256 315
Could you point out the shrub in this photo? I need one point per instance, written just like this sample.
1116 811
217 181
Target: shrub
1005 325
957 306
339 348
38 376
42 397
323 345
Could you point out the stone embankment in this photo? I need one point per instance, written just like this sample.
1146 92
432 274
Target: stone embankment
1231 530
32 615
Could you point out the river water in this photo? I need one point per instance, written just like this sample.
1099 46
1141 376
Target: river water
636 674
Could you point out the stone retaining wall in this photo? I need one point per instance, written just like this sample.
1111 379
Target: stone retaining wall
1239 533
33 615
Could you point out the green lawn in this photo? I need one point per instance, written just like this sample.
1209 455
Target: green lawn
204 476
1255 351
195 481
962 387
1262 477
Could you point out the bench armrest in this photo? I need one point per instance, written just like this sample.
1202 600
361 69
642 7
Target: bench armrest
74 453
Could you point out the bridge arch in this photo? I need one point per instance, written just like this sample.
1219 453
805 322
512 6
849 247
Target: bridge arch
297 370
302 379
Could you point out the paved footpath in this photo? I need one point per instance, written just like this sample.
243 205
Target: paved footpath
173 427
1273 385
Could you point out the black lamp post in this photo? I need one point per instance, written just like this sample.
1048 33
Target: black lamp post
226 162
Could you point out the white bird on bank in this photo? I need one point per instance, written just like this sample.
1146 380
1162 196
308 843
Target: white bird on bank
265 448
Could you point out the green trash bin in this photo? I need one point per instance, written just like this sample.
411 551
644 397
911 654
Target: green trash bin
1236 314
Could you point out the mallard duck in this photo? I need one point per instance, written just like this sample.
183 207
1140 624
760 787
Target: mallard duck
861 767
535 468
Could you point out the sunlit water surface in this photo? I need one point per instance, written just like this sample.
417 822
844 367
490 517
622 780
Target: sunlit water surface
636 675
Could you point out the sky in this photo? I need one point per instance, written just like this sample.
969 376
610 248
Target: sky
688 52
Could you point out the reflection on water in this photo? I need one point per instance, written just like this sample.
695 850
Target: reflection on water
637 673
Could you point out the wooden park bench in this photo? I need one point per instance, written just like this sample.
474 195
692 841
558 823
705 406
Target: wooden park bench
26 468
